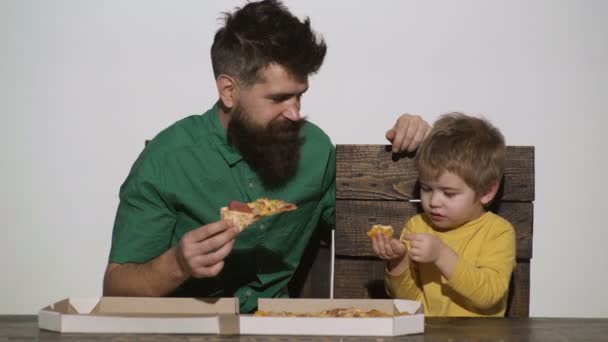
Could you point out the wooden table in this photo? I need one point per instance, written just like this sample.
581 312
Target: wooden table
25 328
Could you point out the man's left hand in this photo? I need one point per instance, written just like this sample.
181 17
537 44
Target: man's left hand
408 133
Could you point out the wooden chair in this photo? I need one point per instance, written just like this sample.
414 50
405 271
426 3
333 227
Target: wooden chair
373 186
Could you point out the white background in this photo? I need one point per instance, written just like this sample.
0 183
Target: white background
83 83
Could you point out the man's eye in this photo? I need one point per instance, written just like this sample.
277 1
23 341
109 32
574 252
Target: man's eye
425 189
279 99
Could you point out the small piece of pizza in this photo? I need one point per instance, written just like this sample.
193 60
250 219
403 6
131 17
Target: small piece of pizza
380 229
246 214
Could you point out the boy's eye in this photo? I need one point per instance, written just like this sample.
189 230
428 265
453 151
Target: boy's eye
425 188
449 194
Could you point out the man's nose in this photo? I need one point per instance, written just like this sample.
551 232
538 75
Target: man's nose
292 114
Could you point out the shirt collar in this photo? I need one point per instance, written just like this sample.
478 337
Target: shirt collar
230 154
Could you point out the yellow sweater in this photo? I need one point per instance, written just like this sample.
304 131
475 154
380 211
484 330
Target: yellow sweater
480 281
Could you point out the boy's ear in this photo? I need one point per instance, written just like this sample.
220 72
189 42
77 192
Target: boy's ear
490 194
227 90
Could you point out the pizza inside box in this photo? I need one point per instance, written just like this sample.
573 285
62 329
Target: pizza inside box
395 325
220 316
142 315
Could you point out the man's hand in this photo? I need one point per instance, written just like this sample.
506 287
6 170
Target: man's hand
201 252
408 133
391 250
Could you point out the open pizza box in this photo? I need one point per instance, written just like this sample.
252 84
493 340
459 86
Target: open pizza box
142 315
355 326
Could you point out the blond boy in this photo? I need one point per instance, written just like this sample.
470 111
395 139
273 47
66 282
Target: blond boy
456 257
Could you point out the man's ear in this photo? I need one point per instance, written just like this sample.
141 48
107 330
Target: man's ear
490 194
227 90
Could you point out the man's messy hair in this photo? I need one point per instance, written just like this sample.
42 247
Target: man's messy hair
264 33
467 146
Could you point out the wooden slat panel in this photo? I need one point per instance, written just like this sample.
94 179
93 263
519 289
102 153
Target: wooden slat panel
371 184
355 218
519 174
364 278
359 278
373 172
311 279
518 304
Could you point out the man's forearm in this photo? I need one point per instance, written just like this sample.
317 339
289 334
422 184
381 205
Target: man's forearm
156 278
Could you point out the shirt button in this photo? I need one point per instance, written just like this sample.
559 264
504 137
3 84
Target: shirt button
248 293
262 226
251 184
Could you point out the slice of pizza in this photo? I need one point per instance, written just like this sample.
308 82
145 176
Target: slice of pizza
380 229
268 207
246 214
240 213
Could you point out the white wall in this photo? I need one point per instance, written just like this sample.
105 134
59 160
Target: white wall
83 83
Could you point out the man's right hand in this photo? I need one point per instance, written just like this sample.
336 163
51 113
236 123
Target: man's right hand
201 252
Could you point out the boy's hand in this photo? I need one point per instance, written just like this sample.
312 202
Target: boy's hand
427 248
391 250
424 247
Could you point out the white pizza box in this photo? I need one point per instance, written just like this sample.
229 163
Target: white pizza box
142 315
377 326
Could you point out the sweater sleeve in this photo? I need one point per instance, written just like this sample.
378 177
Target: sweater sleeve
406 284
486 282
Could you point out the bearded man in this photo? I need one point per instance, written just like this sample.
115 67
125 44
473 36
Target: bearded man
168 238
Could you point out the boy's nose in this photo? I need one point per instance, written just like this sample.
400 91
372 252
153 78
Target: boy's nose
435 201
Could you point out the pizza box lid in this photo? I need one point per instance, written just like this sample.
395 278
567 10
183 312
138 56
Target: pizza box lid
141 315
372 326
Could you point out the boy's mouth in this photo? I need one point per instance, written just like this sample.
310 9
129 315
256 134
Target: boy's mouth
437 217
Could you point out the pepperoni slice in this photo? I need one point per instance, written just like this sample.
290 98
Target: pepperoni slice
240 207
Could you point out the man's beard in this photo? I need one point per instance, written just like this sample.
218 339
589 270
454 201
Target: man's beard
273 152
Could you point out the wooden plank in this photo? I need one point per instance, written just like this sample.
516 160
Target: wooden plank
373 172
355 218
362 277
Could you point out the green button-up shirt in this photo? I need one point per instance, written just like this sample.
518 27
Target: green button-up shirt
187 173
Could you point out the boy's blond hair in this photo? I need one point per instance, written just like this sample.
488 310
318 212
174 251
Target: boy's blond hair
469 147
